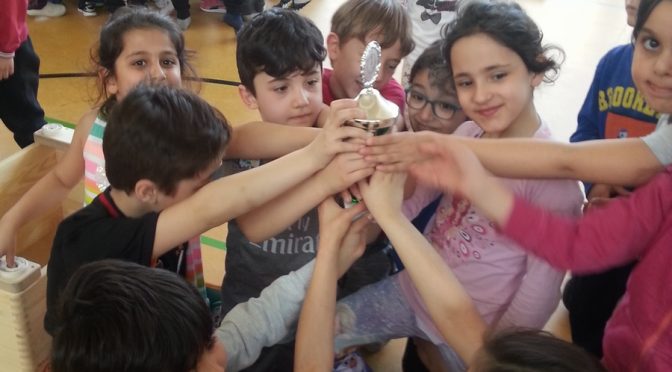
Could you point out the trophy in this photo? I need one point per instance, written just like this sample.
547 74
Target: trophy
380 113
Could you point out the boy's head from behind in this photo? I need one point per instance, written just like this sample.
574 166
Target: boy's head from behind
532 350
161 144
355 24
121 316
279 57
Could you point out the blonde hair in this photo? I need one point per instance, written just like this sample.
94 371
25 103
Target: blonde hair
387 18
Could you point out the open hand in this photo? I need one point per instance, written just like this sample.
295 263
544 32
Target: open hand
341 234
396 152
343 171
332 138
449 167
384 193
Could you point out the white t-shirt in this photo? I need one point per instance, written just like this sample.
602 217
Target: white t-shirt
428 18
660 141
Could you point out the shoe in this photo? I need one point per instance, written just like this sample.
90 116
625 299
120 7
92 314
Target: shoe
212 6
88 9
235 21
183 24
49 10
290 4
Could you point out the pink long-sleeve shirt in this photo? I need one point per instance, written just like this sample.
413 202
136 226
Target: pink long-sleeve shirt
509 286
638 337
13 29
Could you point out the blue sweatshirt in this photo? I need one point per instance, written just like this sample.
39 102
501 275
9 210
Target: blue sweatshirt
613 107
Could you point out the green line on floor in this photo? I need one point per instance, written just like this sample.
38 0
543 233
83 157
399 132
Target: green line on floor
215 243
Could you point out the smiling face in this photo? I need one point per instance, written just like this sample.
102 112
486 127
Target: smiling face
652 61
294 100
148 56
345 57
494 86
422 89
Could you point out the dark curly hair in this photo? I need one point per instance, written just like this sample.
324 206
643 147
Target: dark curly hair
508 24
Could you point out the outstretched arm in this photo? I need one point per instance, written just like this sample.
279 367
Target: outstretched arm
449 305
344 170
231 196
273 217
341 243
618 162
261 140
49 191
263 321
606 237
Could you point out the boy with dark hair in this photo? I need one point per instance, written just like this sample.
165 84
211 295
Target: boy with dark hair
161 146
355 24
120 316
284 84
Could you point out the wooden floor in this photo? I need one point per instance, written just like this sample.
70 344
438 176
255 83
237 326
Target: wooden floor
585 29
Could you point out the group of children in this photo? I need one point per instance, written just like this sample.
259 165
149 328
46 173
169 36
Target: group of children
486 263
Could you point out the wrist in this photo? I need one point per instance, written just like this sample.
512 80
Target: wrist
8 224
387 219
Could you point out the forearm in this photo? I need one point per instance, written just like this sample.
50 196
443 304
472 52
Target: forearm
273 217
230 196
315 334
449 305
615 162
44 196
263 321
259 140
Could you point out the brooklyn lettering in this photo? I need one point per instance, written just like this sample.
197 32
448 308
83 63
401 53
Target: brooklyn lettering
627 98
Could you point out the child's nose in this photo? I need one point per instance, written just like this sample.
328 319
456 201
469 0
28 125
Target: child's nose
481 93
663 65
301 98
426 112
157 73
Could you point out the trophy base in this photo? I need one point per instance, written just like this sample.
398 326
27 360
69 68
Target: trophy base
377 127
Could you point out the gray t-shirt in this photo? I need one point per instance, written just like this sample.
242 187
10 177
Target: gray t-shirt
660 141
251 267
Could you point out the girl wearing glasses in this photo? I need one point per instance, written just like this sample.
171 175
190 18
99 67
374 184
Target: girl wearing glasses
430 97
497 59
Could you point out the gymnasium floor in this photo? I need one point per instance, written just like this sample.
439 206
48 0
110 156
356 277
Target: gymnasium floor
585 29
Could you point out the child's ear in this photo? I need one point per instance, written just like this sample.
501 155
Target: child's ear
247 97
537 79
146 191
109 82
333 46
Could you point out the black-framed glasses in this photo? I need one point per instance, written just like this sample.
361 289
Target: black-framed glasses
440 109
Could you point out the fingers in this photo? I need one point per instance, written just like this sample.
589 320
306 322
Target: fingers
9 258
391 139
354 189
621 191
341 111
392 167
